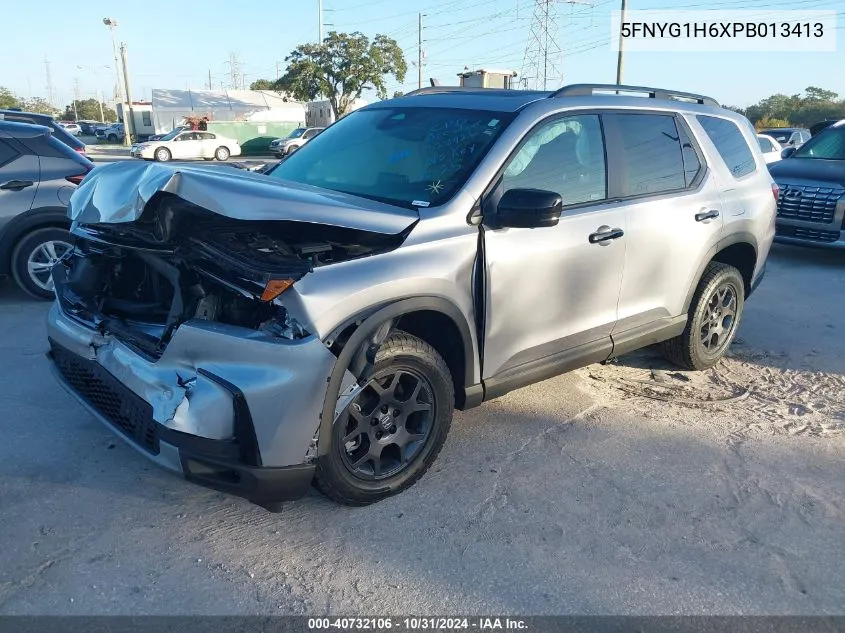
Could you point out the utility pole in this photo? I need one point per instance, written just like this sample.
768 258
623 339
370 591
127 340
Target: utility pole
75 97
129 122
210 85
50 93
621 45
320 19
420 53
278 70
100 103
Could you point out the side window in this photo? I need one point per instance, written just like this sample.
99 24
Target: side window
309 134
730 143
692 162
146 118
652 159
7 153
765 144
566 156
206 136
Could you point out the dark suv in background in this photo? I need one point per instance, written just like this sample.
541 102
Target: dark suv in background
33 118
811 206
38 174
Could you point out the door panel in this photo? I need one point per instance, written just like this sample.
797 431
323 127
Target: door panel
17 171
551 289
673 214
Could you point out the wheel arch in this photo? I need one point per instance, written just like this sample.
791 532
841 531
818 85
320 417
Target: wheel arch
26 222
435 320
738 250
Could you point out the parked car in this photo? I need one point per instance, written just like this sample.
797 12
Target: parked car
770 148
71 127
89 128
822 125
185 144
38 174
111 134
158 137
811 209
34 118
300 136
788 136
321 321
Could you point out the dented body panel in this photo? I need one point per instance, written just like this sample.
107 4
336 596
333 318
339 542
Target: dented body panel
119 192
284 400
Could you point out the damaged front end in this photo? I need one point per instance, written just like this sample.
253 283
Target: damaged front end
171 328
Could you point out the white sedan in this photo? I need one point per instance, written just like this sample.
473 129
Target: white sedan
770 147
184 144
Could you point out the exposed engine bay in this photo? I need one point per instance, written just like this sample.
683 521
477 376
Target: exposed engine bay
140 280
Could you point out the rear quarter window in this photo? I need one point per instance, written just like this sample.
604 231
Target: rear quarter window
7 153
730 143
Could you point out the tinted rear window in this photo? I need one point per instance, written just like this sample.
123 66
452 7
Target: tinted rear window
7 153
652 158
730 143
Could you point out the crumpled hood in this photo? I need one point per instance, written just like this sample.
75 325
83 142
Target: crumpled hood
119 192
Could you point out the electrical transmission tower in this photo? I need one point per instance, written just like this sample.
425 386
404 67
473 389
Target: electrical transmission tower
542 65
235 73
51 96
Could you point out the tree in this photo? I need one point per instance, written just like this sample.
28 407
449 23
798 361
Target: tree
88 110
39 105
261 84
816 94
767 123
341 68
8 99
398 94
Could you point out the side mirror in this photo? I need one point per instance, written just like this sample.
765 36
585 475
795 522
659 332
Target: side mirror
787 152
528 209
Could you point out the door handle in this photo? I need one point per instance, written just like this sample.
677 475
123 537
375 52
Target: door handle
605 234
706 215
16 185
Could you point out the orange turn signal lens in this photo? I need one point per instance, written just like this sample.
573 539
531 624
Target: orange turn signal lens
274 288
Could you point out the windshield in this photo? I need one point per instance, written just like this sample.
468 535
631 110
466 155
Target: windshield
171 134
829 144
412 157
296 133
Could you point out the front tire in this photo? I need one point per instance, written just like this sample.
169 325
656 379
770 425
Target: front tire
33 258
714 316
391 433
162 155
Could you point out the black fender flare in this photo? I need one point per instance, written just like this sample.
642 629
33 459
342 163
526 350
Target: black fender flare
740 237
364 342
24 223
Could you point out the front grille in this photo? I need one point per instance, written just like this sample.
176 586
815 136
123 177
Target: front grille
808 204
128 413
807 234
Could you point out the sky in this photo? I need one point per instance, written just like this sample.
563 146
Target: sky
176 44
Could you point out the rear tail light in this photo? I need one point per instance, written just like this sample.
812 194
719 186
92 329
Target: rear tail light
78 178
81 150
775 191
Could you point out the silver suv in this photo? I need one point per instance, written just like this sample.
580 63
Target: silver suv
320 322
282 147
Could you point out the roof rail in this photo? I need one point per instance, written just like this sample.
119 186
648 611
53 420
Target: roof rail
583 90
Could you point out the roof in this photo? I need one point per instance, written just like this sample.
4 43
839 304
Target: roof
22 130
216 99
34 115
489 71
492 99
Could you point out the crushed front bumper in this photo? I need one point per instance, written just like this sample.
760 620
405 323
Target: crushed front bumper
226 407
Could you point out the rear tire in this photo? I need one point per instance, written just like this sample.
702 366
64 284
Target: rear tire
714 316
222 154
403 415
34 255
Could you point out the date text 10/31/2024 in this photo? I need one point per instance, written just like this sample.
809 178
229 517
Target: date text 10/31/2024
417 624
